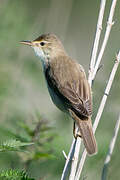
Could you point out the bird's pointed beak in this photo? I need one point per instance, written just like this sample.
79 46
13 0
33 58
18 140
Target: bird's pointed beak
29 43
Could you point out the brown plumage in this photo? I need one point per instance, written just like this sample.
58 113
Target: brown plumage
67 85
70 79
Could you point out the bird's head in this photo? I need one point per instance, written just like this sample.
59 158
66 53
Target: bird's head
46 46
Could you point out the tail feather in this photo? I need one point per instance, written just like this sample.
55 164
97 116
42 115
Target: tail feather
88 136
86 131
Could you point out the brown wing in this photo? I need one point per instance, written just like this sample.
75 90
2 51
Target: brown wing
81 104
71 81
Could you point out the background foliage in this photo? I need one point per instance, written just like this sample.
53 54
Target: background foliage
24 100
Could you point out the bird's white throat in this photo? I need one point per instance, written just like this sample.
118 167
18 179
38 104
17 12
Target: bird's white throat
39 52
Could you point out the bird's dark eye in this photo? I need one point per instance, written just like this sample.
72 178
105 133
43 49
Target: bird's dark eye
42 43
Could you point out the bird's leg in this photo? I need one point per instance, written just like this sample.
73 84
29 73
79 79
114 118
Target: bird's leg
76 133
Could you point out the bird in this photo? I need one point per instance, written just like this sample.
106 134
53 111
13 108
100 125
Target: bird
67 85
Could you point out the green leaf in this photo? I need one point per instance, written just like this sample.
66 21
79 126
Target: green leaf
12 145
14 175
11 135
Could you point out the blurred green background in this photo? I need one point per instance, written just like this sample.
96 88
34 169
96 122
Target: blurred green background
23 89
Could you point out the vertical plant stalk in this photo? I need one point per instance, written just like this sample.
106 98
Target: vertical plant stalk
68 160
110 151
91 70
90 78
95 48
75 159
106 37
96 41
100 110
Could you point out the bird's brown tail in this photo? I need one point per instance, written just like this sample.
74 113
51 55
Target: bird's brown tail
86 131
